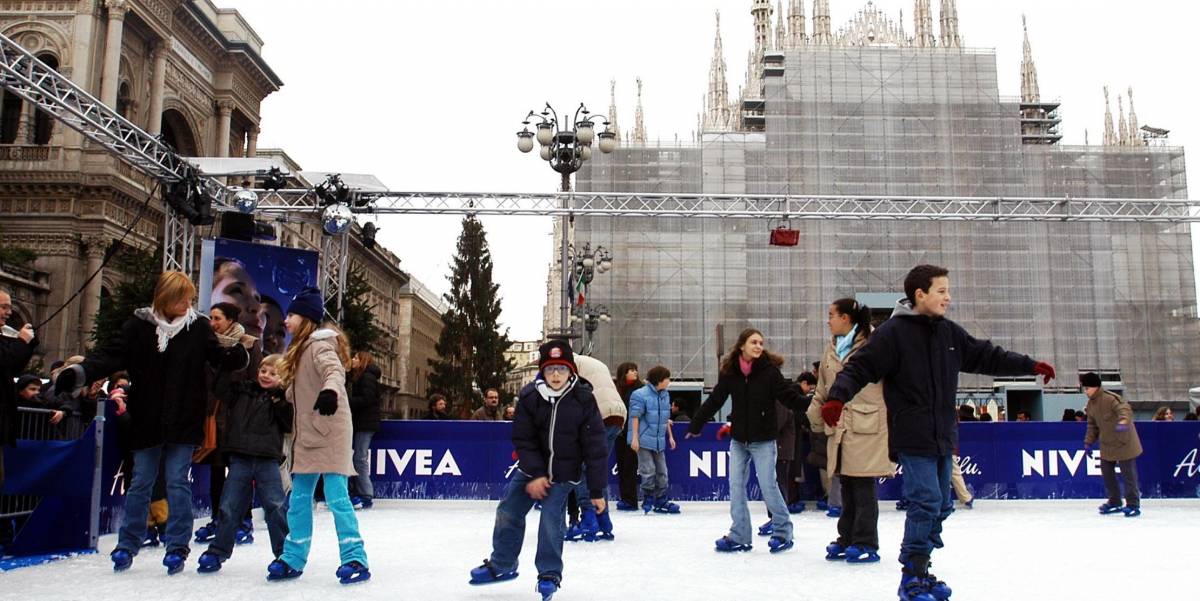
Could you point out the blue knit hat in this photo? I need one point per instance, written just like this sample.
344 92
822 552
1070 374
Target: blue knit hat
309 304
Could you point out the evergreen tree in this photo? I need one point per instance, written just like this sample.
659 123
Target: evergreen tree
141 271
471 347
358 316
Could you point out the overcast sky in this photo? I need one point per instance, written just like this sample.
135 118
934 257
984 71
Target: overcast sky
428 95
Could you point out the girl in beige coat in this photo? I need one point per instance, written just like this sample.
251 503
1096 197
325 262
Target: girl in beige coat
858 438
313 373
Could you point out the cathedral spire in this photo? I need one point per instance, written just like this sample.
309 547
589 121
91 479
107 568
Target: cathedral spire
716 116
1135 138
949 17
639 125
797 35
1029 79
1109 136
822 31
612 109
1122 128
923 21
780 29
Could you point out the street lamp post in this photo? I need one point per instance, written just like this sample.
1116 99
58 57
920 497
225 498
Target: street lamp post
565 146
591 316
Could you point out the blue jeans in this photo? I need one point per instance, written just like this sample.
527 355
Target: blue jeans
177 459
582 494
509 532
764 454
235 499
362 465
300 520
927 489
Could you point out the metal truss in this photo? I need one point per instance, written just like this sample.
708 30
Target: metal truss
335 258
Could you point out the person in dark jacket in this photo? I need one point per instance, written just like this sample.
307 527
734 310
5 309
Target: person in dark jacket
918 354
256 416
627 381
557 430
16 349
166 349
750 374
364 413
438 408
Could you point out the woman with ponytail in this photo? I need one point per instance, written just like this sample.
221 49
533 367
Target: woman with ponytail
313 372
858 441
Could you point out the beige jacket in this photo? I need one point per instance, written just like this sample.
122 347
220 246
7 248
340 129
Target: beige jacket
1104 410
860 437
322 443
612 409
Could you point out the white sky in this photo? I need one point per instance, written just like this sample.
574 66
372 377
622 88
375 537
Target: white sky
428 95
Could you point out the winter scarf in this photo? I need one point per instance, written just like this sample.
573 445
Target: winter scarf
167 330
843 344
232 337
745 365
549 394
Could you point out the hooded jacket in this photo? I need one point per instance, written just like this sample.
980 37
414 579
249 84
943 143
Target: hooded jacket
919 359
556 432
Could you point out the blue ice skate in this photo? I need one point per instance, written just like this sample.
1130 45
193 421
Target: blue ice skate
767 528
778 545
1108 508
834 511
121 559
585 529
209 562
857 554
662 505
823 504
604 530
244 535
726 545
623 506
914 588
797 507
547 586
490 574
353 572
835 551
174 561
280 570
206 532
1132 511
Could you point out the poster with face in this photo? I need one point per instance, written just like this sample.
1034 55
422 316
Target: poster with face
260 279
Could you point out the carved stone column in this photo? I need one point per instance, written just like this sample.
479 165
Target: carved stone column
94 249
224 113
252 142
25 123
157 81
112 51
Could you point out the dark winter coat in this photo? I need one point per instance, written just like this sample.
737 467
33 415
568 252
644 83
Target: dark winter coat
785 440
919 359
626 390
14 356
255 419
555 436
753 413
168 391
364 400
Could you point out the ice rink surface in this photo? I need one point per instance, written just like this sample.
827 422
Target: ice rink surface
422 550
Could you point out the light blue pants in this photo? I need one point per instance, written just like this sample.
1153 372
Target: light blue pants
763 454
300 520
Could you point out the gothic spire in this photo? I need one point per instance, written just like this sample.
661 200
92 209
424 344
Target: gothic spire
1109 136
923 21
1029 79
1122 128
1135 138
612 109
949 17
797 36
716 116
780 29
639 125
822 31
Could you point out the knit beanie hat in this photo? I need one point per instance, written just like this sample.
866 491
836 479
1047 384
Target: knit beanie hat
1089 380
556 352
309 304
26 380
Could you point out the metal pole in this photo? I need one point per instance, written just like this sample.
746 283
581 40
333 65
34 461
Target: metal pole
565 259
97 475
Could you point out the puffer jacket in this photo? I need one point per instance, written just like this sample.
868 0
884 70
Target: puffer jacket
652 408
753 414
555 432
612 407
255 419
858 443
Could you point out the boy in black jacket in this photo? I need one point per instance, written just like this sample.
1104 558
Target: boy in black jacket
918 355
556 430
256 417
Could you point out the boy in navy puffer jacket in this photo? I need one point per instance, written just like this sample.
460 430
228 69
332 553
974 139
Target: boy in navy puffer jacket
557 428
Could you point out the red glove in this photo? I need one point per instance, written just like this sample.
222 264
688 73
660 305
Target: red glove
723 433
514 455
1045 370
831 412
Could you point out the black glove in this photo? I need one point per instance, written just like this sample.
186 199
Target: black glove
327 402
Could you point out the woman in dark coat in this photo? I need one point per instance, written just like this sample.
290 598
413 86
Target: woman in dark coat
364 412
166 349
627 381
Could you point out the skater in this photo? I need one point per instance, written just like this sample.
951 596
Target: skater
627 381
785 444
166 348
650 436
750 374
597 525
1110 422
313 372
918 354
364 413
16 349
858 442
255 417
557 429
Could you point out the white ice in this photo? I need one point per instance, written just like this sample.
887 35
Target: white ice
1002 550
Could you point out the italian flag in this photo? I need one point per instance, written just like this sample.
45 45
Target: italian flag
579 291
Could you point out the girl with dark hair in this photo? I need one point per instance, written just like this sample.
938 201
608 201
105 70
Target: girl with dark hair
364 413
750 374
627 381
857 442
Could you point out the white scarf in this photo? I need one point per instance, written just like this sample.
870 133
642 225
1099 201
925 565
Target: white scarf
549 394
167 330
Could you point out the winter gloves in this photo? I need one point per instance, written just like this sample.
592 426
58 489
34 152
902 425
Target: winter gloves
831 412
1122 427
327 402
723 433
1045 370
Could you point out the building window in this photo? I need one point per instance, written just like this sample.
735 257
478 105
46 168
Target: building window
124 100
10 118
43 123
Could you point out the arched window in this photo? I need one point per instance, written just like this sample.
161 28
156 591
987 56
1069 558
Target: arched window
177 134
10 117
125 100
43 123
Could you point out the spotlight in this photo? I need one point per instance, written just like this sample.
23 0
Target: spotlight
275 180
369 229
188 198
332 191
264 231
245 201
336 219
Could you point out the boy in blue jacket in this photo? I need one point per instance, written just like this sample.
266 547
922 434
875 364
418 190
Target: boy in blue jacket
918 354
556 429
649 437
